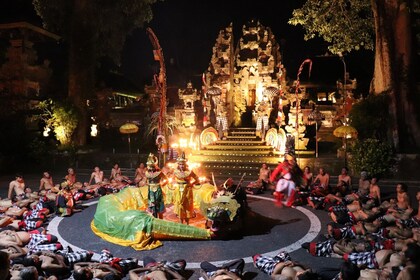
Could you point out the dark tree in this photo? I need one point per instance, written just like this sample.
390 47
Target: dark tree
92 29
384 26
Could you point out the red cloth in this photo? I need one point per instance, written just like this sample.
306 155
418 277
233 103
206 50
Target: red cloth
281 169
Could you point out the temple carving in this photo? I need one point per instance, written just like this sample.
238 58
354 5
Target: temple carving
244 73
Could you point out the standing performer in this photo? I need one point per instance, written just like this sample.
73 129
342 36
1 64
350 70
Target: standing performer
290 174
221 120
263 113
154 177
184 197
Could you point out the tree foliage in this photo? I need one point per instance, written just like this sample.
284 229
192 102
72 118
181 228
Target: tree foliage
109 21
346 25
352 25
92 29
62 118
170 124
374 156
371 116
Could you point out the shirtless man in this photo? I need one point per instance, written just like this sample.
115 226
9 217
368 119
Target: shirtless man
375 191
115 171
10 237
91 270
264 175
155 272
323 178
97 176
282 265
46 183
51 263
364 184
344 182
140 175
70 177
403 200
153 269
18 187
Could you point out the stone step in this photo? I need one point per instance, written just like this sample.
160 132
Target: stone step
237 147
218 156
235 143
242 133
242 137
242 159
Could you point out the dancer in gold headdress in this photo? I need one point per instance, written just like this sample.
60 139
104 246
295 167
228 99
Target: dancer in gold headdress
183 194
154 176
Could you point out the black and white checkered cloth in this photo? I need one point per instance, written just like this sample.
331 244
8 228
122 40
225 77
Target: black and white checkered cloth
362 259
267 264
344 232
74 257
222 122
40 242
31 224
118 263
262 122
324 249
412 222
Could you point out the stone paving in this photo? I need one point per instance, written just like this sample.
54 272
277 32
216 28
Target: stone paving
267 230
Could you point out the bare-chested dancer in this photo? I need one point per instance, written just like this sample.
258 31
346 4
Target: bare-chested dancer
364 184
18 187
46 182
70 177
323 178
97 176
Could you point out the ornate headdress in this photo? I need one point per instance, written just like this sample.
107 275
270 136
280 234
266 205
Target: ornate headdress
181 158
289 156
152 160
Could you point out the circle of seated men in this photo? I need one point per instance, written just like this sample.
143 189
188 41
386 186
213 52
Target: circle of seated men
375 238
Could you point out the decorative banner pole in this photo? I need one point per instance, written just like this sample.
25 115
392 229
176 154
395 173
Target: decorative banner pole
297 97
161 87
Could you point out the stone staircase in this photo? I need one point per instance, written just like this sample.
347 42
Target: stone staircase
241 152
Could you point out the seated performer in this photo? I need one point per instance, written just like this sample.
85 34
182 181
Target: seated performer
281 265
17 186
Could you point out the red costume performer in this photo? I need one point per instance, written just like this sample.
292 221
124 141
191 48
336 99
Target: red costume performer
284 171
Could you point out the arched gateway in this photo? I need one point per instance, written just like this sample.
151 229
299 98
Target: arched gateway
241 78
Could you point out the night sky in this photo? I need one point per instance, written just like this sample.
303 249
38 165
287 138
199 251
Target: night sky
187 31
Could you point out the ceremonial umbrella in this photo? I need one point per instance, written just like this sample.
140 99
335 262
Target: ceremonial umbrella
345 131
129 128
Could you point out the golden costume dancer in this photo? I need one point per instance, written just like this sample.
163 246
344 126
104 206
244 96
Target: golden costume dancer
183 193
154 177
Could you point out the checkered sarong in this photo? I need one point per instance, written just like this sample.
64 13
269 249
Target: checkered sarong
74 257
317 198
412 222
267 264
40 242
337 208
322 249
344 232
221 122
31 224
381 234
262 121
365 259
387 244
118 263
